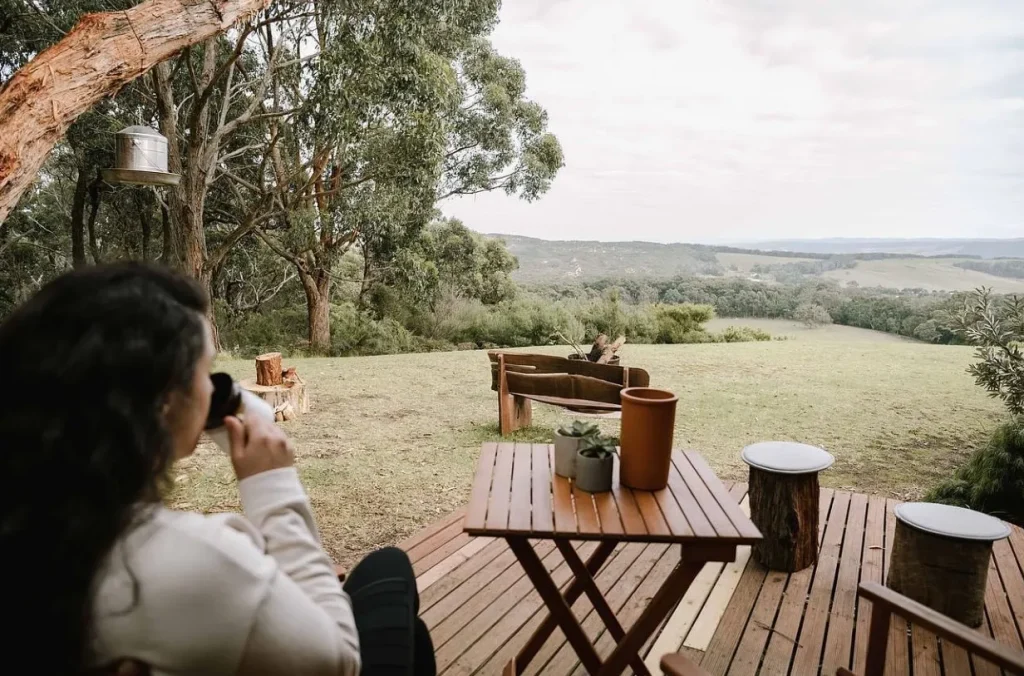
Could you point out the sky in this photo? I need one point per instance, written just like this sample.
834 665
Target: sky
742 120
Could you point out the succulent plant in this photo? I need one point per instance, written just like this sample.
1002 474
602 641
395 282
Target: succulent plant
580 430
599 447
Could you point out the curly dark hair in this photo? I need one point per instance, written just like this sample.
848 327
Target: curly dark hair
90 362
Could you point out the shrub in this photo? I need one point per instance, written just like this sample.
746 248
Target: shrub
996 326
354 332
744 334
812 315
680 323
992 480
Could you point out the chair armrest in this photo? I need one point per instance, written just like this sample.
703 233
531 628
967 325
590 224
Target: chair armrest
675 664
886 600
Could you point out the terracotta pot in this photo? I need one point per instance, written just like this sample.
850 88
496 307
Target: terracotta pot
648 423
594 475
566 449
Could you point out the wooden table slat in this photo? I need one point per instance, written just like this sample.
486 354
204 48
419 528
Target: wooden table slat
653 518
543 519
476 513
611 521
501 488
744 526
702 494
565 515
632 521
522 470
691 509
674 517
586 511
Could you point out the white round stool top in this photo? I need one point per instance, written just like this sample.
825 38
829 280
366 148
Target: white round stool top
952 522
785 457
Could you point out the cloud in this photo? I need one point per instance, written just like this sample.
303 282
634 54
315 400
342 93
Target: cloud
711 120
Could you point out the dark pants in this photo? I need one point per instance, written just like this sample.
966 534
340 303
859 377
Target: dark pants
393 640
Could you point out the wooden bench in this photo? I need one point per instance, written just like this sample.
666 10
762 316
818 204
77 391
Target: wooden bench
884 604
574 384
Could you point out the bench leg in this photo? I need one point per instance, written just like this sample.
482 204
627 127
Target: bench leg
513 413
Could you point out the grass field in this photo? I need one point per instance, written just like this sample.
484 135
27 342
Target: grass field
918 273
391 442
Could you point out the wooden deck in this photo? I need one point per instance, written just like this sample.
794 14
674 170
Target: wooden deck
736 619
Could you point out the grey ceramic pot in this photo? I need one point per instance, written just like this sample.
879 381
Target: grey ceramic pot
566 449
594 475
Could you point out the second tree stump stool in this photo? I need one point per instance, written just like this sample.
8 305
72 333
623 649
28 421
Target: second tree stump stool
784 502
940 557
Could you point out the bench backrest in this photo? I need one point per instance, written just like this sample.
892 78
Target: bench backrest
885 603
549 377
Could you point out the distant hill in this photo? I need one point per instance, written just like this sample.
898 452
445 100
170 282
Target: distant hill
551 261
934 265
983 248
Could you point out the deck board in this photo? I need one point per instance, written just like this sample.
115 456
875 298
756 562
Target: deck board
481 608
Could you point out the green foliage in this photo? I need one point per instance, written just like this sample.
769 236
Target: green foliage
599 447
812 315
744 334
682 323
579 429
996 326
992 480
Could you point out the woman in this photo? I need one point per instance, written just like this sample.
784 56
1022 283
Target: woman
108 384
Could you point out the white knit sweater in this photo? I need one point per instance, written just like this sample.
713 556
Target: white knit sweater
228 594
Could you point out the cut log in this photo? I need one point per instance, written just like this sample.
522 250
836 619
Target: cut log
784 507
946 574
598 348
288 399
99 56
268 369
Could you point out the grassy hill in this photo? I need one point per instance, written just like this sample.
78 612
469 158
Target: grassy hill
983 248
543 261
391 442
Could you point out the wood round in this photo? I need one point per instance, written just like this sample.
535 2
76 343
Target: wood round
940 557
784 495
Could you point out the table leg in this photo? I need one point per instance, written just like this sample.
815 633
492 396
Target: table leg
558 605
579 570
679 580
572 592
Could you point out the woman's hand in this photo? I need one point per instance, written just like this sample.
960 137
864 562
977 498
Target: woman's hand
257 446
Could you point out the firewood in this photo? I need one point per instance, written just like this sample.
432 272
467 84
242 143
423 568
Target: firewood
598 348
609 350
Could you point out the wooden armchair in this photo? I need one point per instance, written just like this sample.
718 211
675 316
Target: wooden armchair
575 384
884 604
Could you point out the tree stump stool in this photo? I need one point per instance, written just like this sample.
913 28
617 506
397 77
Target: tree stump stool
784 502
940 557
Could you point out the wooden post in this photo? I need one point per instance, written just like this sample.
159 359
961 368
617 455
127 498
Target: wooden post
514 412
784 507
268 369
946 574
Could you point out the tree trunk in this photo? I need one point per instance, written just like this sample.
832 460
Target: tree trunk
101 54
94 209
318 304
167 255
784 507
146 223
78 217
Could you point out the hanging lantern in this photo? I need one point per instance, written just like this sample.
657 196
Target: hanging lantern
140 158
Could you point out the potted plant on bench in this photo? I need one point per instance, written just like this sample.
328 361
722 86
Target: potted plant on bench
567 443
595 464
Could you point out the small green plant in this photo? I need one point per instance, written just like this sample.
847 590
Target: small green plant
599 447
579 429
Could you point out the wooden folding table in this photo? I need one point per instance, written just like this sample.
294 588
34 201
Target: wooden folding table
517 496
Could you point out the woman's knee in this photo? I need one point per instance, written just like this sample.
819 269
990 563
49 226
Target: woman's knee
386 563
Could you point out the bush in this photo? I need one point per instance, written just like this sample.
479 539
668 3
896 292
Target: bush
283 329
744 334
812 315
354 332
681 323
992 481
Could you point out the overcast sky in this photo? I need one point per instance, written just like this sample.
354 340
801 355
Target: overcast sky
726 120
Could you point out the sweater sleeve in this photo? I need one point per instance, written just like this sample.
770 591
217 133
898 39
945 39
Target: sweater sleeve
305 623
